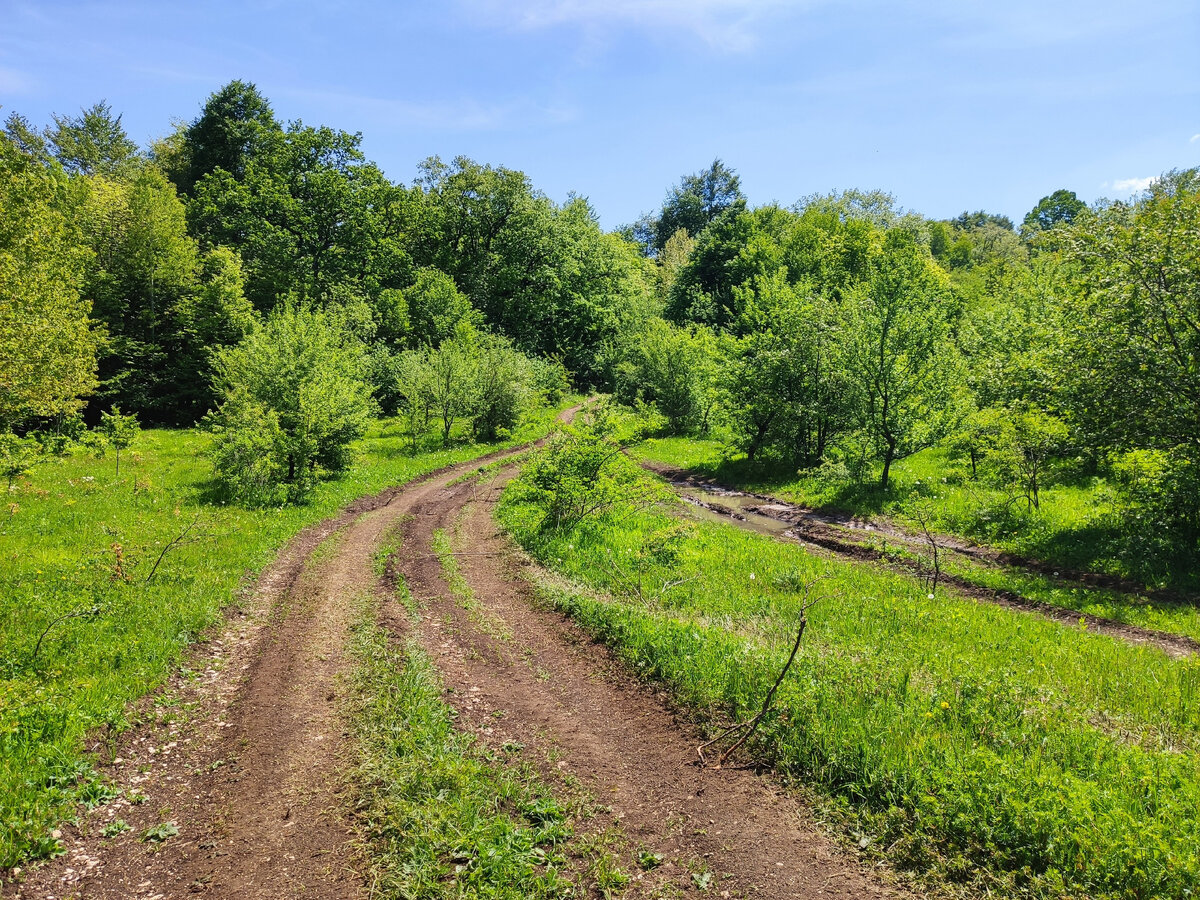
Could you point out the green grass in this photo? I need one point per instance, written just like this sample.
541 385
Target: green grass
440 814
1080 525
74 538
1066 511
969 741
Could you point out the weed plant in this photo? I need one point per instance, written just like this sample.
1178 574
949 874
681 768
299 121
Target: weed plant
993 747
77 544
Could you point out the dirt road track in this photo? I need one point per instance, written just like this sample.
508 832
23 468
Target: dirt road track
848 537
549 687
251 771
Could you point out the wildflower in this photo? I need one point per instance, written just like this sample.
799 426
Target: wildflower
751 576
945 705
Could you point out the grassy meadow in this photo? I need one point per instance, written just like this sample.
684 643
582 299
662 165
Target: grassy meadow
1074 527
1078 527
85 629
992 748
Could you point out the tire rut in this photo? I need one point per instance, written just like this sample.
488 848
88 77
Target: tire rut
248 761
827 533
517 672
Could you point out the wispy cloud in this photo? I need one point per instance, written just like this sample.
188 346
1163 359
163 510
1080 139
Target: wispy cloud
1130 185
1194 138
726 25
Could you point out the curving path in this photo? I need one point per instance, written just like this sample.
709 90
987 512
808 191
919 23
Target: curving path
246 757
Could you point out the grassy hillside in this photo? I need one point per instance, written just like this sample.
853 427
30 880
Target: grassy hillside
991 746
84 630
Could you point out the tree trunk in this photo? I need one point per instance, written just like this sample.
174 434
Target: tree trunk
889 456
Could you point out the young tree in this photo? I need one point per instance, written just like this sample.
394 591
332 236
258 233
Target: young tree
119 431
663 367
293 400
1019 446
451 377
786 377
414 386
17 456
899 352
502 387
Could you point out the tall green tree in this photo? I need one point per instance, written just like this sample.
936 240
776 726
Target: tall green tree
1059 208
544 275
235 120
1133 378
691 205
92 143
899 353
47 345
300 215
166 307
789 393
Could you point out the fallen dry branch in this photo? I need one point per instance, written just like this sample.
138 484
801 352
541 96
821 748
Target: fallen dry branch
749 726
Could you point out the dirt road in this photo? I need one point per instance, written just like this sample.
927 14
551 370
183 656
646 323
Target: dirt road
233 785
520 673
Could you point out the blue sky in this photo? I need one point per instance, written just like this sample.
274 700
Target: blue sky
948 105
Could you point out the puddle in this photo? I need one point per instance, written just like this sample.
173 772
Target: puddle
718 505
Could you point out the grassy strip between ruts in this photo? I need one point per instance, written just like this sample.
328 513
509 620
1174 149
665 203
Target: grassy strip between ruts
77 546
990 747
444 815
1064 510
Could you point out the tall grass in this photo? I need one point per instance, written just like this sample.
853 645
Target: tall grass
77 541
1066 510
993 747
1080 525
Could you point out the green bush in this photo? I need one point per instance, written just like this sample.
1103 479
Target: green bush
293 400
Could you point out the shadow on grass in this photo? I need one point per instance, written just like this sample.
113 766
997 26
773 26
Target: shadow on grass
1152 558
1109 545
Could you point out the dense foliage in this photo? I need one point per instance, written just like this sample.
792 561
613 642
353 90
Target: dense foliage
268 280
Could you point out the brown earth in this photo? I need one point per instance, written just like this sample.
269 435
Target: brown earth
845 535
517 672
244 752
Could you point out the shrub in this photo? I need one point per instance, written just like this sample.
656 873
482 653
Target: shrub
583 473
293 400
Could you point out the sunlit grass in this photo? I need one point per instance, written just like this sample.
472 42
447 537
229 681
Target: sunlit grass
1069 513
74 538
991 746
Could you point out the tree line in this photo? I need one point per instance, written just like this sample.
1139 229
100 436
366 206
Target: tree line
190 280
845 334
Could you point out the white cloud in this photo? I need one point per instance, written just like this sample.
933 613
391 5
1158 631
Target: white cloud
1194 138
729 25
1131 185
